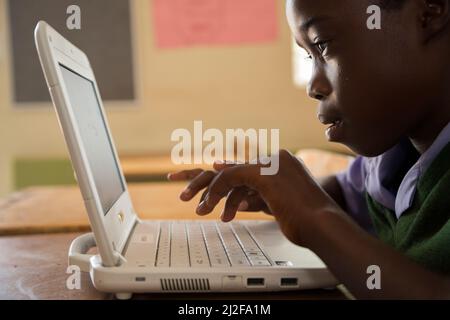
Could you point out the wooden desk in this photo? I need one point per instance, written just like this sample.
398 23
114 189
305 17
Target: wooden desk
152 167
61 209
34 266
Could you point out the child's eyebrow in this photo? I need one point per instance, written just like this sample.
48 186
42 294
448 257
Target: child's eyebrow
308 23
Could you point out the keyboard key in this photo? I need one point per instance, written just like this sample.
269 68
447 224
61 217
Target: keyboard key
179 253
163 253
251 249
197 248
232 246
260 263
142 247
217 254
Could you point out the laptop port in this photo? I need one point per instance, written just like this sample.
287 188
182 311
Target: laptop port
255 282
289 282
140 279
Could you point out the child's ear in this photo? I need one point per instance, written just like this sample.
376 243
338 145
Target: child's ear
435 17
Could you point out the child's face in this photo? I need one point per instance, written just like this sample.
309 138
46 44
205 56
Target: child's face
378 85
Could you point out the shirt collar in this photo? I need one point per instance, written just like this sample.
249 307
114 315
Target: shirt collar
381 169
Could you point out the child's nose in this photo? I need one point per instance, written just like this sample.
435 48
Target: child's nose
319 87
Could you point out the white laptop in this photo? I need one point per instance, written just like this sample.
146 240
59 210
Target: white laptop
137 256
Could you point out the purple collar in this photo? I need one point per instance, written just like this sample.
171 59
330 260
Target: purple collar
381 170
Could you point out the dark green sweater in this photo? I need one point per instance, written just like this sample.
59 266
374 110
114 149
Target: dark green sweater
423 231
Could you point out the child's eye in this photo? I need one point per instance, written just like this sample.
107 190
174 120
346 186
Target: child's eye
321 46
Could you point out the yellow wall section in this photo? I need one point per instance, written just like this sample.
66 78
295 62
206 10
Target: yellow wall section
247 86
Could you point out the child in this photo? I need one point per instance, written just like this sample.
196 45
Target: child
385 94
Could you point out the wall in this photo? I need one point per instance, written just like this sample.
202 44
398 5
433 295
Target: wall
227 87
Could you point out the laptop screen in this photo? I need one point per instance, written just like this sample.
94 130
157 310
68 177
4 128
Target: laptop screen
95 138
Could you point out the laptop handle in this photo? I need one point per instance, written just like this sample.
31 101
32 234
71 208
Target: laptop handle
78 251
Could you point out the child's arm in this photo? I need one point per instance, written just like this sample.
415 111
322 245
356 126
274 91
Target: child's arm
348 251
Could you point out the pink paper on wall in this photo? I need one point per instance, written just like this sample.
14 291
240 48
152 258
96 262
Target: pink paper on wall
181 23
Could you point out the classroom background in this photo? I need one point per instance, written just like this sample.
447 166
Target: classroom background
231 67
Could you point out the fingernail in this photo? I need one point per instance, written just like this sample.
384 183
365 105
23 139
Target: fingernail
243 206
225 217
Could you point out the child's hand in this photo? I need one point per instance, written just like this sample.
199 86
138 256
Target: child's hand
292 195
200 179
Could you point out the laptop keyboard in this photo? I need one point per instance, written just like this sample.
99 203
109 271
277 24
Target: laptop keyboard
209 244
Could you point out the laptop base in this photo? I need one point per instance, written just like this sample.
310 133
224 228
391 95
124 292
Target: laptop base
307 272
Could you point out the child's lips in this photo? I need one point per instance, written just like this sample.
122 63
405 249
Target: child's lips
335 131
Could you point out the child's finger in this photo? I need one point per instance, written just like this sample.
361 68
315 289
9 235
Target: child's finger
252 203
232 203
184 175
205 192
225 181
198 183
221 165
